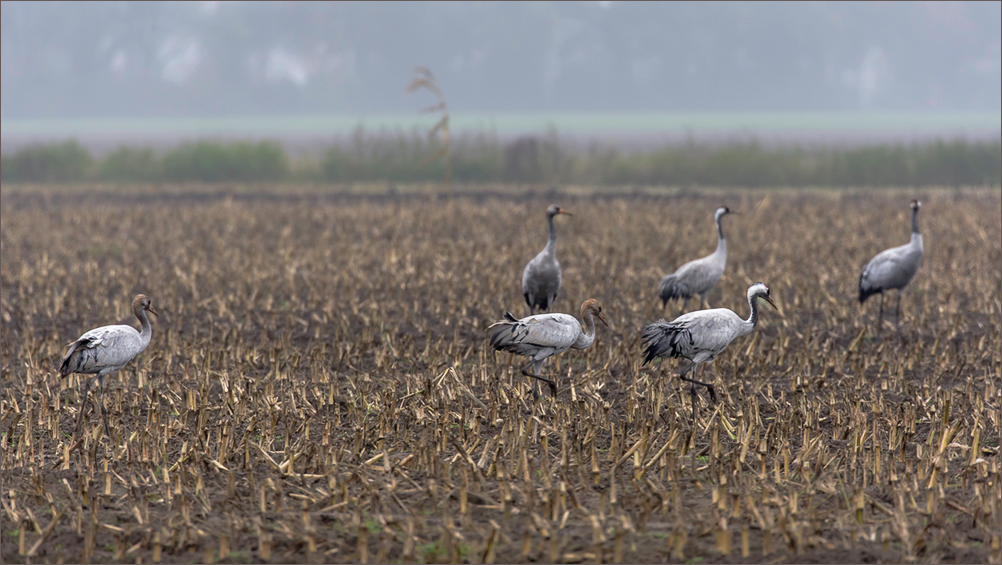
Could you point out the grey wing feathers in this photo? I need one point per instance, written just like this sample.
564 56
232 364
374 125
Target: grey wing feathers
695 277
666 339
528 336
697 336
106 348
669 289
893 268
541 281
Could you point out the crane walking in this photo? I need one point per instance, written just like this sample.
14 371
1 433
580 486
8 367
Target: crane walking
541 336
702 335
893 268
698 276
541 276
104 350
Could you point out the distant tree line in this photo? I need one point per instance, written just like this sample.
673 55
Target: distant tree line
532 159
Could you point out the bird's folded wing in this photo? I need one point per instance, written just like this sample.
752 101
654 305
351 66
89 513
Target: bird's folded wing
116 342
553 330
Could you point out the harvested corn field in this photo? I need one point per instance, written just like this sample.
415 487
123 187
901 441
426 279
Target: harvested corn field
319 386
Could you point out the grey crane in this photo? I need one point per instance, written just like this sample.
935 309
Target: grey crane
541 276
698 276
701 335
893 268
104 350
541 336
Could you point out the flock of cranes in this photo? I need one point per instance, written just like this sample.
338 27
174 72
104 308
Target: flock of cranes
698 336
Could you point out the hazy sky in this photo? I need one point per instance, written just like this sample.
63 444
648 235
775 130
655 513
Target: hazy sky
136 59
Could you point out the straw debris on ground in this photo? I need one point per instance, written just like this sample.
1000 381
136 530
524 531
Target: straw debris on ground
319 387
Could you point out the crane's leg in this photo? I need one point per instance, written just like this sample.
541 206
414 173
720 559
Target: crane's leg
880 316
897 312
709 387
553 385
83 403
104 410
692 393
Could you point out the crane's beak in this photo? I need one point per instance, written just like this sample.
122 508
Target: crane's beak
773 304
154 312
562 211
603 320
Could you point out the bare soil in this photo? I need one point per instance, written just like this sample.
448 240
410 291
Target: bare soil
319 387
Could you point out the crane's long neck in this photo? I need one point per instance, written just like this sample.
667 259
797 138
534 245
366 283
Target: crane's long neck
916 234
551 243
147 331
721 241
752 320
588 337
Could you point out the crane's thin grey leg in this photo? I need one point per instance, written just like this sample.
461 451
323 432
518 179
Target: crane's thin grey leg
897 311
692 393
880 317
553 385
83 403
104 410
709 387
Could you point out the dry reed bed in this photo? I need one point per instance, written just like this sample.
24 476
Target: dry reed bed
319 388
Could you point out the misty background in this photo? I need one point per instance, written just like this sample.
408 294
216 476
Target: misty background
174 59
531 88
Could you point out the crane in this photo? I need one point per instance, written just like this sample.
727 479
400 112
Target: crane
893 268
541 336
541 276
698 276
104 350
701 335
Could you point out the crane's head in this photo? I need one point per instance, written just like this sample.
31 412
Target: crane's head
591 306
760 290
143 302
553 210
915 205
721 212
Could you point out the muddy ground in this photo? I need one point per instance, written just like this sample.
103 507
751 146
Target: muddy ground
319 387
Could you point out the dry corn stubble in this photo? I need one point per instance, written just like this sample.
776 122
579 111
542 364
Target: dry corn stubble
319 386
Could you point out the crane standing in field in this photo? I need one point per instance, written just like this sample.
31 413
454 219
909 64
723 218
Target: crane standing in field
541 336
702 335
104 350
541 276
893 268
698 276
